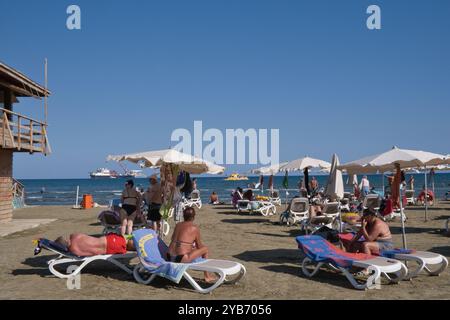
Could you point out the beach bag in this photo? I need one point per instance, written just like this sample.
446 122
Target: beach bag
328 234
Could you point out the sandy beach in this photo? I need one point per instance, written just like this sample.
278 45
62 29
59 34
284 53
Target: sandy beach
267 250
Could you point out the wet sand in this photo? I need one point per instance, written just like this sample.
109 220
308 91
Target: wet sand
267 250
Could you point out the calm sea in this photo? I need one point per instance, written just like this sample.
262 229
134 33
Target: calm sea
63 191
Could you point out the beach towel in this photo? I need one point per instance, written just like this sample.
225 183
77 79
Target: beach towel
109 216
152 249
51 245
319 250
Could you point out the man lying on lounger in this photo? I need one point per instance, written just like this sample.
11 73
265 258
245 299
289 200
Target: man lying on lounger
186 245
376 233
83 245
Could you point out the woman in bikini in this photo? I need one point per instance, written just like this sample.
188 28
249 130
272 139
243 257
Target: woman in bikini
186 245
131 207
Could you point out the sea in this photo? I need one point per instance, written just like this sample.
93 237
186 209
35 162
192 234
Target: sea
63 191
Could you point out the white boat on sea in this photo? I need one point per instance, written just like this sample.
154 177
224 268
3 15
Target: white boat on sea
132 174
103 173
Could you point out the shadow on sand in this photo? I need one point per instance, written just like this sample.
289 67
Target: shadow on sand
271 256
99 268
243 221
445 251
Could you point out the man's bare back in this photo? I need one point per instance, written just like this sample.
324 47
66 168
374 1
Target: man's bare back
84 246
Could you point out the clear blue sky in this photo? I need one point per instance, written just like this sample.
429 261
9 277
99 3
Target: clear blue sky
139 69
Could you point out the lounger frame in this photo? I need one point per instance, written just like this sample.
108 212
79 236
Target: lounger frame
225 270
432 263
391 269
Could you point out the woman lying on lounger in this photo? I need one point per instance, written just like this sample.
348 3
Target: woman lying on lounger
83 245
186 245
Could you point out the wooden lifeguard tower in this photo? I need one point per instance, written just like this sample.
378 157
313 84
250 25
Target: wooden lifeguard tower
18 133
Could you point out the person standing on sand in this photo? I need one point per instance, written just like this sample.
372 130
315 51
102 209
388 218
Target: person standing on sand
186 245
153 198
131 207
314 185
364 186
411 182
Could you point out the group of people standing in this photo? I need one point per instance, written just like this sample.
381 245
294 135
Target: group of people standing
132 199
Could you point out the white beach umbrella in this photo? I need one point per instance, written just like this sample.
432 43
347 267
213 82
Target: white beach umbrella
184 161
390 160
305 162
335 185
386 161
269 170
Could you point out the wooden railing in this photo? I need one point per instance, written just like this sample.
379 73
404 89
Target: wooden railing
18 192
22 133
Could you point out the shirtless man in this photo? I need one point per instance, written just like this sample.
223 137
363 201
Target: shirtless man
376 234
186 245
83 245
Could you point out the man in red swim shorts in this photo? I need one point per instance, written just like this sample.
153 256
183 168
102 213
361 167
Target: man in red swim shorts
83 245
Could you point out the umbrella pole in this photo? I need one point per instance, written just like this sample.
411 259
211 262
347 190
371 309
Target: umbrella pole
382 181
426 195
402 216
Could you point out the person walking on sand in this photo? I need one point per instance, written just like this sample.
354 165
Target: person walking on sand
131 207
364 186
186 245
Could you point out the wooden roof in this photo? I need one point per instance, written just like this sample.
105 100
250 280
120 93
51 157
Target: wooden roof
19 84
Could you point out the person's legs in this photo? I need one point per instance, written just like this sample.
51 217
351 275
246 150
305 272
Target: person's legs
123 219
197 253
371 248
312 212
130 221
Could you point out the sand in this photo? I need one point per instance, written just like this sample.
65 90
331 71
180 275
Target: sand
267 250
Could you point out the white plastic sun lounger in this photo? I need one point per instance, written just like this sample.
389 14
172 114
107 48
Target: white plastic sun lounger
409 195
432 263
195 200
229 273
151 250
274 197
329 218
391 269
298 211
265 208
65 257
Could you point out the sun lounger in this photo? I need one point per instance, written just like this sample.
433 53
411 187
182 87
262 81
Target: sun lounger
433 263
409 195
372 201
298 211
328 218
320 252
194 200
151 251
265 208
66 257
274 197
110 220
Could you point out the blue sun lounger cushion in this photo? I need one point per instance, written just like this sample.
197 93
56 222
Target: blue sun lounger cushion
151 249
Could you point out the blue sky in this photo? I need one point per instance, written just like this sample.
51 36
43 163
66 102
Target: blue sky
140 69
